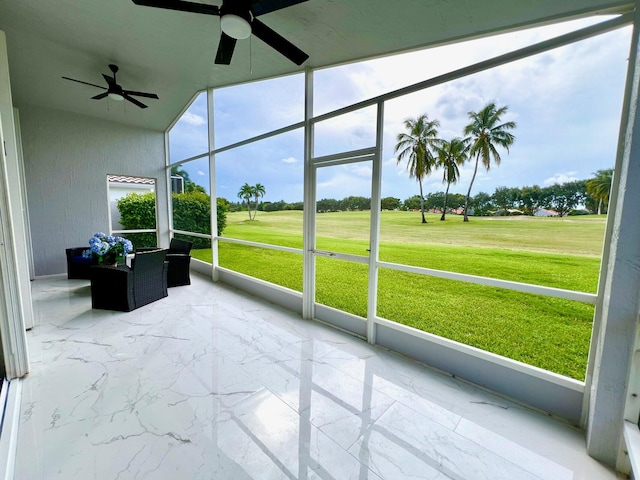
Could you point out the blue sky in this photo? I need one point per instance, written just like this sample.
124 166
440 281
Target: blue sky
566 104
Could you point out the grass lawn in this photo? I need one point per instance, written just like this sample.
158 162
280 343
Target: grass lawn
546 332
582 235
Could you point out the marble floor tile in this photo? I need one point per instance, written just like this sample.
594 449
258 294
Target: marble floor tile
210 383
405 444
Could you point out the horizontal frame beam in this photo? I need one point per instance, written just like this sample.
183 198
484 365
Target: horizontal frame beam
494 282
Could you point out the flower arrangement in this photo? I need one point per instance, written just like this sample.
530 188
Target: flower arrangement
107 248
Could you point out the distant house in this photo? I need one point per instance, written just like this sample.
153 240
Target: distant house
120 186
580 211
507 212
543 212
177 184
455 211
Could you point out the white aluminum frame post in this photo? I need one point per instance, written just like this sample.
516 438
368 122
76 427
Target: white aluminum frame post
16 311
616 328
309 213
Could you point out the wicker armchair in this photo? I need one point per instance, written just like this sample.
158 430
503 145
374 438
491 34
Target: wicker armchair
78 267
179 258
124 289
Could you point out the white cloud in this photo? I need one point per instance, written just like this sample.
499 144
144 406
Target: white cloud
347 132
189 137
390 162
560 178
201 173
341 185
193 119
361 170
400 169
566 103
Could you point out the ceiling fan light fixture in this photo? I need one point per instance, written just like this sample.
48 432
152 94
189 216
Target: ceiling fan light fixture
235 26
115 96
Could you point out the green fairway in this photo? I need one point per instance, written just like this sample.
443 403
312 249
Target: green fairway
581 235
546 332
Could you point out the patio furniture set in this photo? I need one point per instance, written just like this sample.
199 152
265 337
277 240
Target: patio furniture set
125 288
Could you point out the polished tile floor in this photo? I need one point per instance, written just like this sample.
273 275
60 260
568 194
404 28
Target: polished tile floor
210 383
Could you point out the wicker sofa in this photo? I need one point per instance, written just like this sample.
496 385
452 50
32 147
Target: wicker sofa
125 288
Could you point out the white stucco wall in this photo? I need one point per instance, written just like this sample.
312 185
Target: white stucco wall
67 159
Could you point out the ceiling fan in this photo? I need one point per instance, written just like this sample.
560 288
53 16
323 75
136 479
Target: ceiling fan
115 91
238 21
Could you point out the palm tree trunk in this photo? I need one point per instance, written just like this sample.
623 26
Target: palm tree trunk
249 208
444 210
424 220
466 202
599 206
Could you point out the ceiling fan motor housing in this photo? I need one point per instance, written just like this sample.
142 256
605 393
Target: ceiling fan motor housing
235 20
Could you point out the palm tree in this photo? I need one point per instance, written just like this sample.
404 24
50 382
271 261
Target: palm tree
450 155
245 193
416 147
485 132
600 187
258 191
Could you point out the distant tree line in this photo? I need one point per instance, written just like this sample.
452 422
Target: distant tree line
563 199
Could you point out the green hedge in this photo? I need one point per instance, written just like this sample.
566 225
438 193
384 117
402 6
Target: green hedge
138 211
222 207
191 213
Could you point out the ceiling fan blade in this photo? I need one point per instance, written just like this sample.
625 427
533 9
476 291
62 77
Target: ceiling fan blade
100 96
86 83
110 81
140 94
180 6
260 7
278 42
134 101
225 49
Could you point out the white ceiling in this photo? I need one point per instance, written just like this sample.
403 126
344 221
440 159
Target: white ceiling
171 53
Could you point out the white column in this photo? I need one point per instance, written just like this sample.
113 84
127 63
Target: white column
309 217
162 236
213 194
16 311
25 202
374 234
620 288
